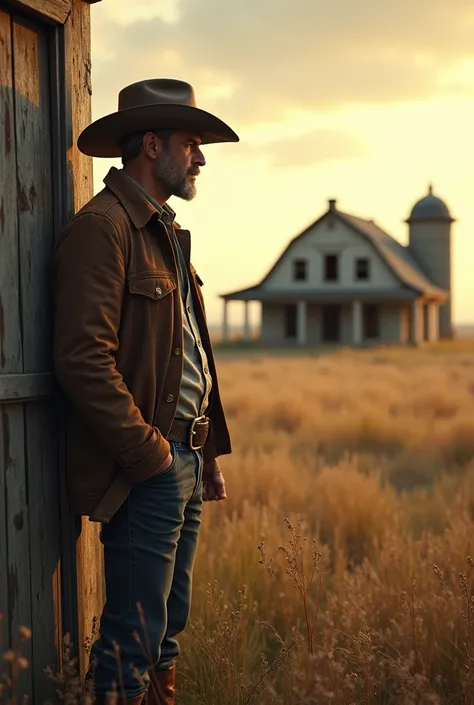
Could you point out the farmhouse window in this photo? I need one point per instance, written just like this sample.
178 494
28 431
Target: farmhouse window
362 269
300 270
331 268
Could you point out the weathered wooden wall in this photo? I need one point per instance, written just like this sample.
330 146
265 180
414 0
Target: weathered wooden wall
30 478
47 580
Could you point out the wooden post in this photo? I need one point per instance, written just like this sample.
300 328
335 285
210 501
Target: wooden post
416 313
225 322
246 321
433 321
302 323
89 555
357 323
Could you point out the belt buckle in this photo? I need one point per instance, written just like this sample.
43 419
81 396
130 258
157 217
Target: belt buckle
193 432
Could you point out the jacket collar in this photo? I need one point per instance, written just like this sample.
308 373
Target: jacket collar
137 206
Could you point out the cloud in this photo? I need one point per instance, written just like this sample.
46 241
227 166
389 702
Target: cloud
306 149
254 59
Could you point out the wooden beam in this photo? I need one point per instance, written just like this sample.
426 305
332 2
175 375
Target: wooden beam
77 35
54 10
21 387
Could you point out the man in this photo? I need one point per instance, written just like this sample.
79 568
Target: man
133 354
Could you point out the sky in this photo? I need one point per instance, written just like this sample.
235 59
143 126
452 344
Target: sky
358 100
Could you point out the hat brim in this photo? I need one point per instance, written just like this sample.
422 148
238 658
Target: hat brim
102 138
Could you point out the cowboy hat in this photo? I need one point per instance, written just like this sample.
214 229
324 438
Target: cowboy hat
155 104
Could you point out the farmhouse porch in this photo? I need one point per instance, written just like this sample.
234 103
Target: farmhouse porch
340 320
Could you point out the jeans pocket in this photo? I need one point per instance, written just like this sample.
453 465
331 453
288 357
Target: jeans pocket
163 473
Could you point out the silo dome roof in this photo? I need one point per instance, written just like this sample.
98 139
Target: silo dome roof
430 208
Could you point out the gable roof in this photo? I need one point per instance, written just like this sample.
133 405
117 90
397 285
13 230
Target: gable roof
396 256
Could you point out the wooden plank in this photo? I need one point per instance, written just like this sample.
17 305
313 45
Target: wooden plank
90 583
35 197
13 426
78 113
36 227
89 557
25 387
45 542
10 343
19 598
54 10
68 523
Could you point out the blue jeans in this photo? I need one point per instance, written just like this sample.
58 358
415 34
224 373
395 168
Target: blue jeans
149 551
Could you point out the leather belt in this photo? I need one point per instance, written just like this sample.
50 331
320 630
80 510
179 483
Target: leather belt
194 432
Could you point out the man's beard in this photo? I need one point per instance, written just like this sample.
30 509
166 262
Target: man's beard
175 179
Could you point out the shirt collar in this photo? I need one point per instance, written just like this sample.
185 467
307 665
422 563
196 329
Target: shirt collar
162 211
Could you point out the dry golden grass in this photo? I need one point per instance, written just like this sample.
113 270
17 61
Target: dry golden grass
371 454
375 451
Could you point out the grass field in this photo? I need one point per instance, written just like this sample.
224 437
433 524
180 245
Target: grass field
339 569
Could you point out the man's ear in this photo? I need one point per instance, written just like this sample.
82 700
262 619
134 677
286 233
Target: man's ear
152 145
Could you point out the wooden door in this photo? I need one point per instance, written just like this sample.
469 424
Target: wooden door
371 322
331 323
30 491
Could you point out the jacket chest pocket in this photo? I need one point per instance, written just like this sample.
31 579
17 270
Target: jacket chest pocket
151 302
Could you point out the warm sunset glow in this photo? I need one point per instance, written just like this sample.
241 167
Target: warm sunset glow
363 102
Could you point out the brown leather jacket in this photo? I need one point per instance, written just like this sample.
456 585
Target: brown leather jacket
118 346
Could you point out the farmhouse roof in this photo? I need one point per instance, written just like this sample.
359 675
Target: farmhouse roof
396 257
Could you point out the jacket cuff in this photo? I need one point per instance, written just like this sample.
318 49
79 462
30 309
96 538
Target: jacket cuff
151 463
209 452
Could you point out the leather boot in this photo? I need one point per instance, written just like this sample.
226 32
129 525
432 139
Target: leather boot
162 690
112 700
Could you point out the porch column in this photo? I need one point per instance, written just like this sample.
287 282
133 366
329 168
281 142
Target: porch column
357 323
416 313
302 323
246 321
225 323
433 321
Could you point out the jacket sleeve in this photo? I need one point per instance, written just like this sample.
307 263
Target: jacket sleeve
89 274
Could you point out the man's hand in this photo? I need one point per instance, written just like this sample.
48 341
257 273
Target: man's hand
167 464
213 482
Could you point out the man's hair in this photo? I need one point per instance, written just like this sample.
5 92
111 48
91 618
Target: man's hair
131 145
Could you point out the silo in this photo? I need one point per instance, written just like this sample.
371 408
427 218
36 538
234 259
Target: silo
430 244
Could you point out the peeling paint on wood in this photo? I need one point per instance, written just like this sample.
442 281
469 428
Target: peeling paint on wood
18 521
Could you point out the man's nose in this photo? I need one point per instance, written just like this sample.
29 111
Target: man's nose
199 158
